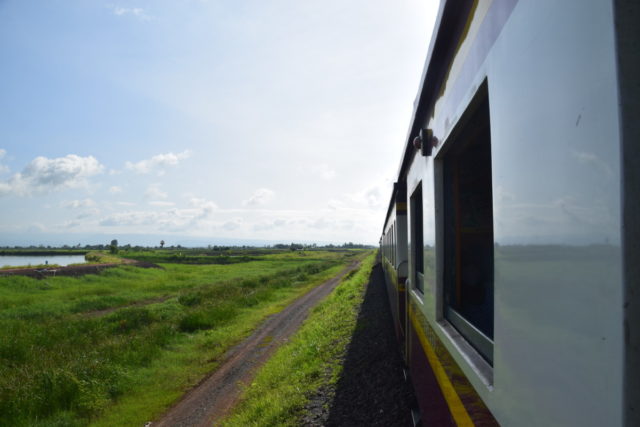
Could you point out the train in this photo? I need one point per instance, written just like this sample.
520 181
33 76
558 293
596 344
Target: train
511 239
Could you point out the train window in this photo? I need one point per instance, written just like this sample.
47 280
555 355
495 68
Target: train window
391 245
468 229
417 239
395 245
386 246
390 248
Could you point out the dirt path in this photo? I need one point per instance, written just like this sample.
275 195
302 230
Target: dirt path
216 395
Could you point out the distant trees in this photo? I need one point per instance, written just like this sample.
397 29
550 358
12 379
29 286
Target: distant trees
161 244
299 246
113 247
349 245
291 247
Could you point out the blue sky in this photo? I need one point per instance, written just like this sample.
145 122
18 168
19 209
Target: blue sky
262 120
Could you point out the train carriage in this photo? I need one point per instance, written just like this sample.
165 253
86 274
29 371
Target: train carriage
394 259
510 246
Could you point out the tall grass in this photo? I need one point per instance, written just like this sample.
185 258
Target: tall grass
62 365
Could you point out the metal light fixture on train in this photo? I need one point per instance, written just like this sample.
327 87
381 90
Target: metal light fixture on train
425 141
417 142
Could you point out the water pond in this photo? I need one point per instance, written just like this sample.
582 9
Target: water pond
25 260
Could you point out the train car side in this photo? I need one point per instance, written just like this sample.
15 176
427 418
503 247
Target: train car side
516 215
395 262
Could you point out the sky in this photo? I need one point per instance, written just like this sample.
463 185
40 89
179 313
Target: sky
209 121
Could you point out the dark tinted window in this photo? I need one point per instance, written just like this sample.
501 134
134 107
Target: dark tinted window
417 238
469 230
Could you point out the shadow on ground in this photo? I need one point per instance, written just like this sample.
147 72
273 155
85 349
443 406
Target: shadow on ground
371 390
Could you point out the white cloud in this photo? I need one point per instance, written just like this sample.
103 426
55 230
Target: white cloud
3 168
131 218
322 223
115 189
204 218
155 193
324 171
137 12
260 197
44 174
5 188
195 217
161 203
336 204
75 204
158 162
233 224
206 207
88 214
371 197
36 227
269 225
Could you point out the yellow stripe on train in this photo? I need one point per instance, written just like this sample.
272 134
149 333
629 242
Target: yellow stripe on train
458 411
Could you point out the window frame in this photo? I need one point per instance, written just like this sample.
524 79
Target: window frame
451 246
417 238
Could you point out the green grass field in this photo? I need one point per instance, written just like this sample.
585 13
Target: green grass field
119 347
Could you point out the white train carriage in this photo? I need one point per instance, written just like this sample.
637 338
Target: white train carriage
521 184
394 259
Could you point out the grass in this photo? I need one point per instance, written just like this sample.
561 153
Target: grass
63 362
311 359
194 256
99 257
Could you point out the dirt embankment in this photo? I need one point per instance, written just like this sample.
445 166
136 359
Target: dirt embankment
71 270
216 395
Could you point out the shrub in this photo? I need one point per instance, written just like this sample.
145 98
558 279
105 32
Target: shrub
190 299
129 319
208 318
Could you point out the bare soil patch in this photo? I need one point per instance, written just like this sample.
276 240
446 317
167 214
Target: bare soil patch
216 395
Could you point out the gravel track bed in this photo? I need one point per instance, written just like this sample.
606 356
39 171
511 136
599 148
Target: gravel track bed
371 390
